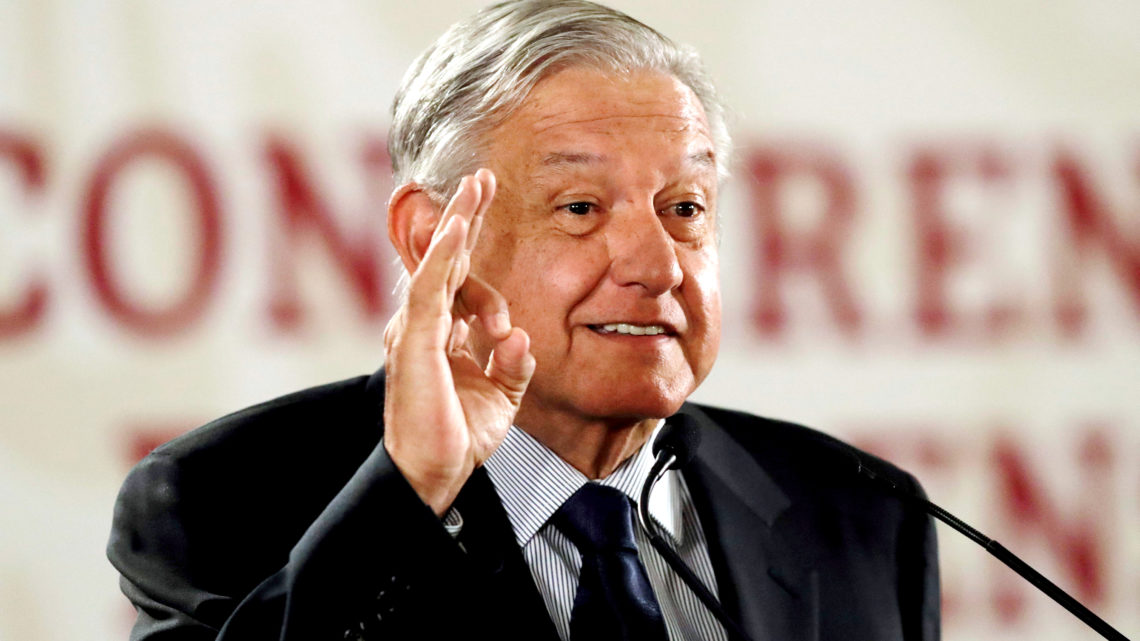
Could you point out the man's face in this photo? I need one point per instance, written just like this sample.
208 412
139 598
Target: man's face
601 236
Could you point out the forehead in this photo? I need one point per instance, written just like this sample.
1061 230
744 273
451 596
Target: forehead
582 114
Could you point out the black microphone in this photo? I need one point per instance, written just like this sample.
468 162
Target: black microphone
673 448
999 551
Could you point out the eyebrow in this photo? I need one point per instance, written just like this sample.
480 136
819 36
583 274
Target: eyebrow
705 158
562 158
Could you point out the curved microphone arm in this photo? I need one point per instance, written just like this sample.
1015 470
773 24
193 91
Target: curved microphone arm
660 466
999 551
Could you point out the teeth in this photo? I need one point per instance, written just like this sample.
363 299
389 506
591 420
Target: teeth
635 330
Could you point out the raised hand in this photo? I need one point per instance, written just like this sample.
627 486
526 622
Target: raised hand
444 412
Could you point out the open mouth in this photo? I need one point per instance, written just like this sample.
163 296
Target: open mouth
630 329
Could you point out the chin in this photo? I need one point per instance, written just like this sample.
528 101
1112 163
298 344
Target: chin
642 399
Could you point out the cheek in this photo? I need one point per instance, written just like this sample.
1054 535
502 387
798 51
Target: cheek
542 278
559 275
713 320
704 308
703 294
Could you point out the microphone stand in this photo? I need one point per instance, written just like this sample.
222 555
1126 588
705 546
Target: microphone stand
675 446
660 466
1000 552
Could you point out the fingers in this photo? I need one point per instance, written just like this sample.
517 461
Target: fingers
511 364
444 269
477 298
471 201
487 188
429 299
464 203
458 340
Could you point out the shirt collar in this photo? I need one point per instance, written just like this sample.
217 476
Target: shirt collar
533 482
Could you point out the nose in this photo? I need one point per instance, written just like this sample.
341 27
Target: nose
642 253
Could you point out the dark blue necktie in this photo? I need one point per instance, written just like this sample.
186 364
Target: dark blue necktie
614 599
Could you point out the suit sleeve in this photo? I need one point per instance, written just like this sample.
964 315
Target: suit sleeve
919 590
374 554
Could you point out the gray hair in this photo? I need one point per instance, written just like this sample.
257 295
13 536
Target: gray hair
481 70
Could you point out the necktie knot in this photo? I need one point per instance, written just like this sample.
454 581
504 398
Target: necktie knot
597 518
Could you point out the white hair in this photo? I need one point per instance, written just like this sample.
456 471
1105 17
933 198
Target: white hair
482 69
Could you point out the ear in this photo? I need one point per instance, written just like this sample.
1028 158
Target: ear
412 219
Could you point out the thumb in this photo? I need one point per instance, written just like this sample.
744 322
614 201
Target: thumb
511 365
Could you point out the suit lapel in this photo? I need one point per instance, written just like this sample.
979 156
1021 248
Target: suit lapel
759 577
502 582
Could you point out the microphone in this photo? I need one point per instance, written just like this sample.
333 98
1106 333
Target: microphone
999 551
674 448
680 439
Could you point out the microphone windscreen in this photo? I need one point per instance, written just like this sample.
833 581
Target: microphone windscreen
680 437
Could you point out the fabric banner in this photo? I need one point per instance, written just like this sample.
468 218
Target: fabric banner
930 247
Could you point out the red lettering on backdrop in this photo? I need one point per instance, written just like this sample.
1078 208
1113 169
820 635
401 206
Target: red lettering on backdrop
780 251
939 245
303 209
1077 542
1090 224
140 439
151 146
25 155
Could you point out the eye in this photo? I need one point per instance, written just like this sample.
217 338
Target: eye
579 209
687 209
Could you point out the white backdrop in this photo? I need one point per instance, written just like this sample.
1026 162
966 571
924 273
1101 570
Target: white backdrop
932 247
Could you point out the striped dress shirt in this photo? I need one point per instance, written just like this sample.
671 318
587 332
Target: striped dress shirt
533 482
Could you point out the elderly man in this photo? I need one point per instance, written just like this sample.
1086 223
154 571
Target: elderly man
558 165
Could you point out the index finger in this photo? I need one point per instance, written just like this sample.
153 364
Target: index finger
487 187
429 296
464 203
470 203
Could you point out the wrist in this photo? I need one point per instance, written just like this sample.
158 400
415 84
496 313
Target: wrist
436 488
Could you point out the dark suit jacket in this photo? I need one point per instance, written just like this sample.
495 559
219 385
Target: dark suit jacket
288 521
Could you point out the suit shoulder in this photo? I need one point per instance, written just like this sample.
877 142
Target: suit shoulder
240 490
801 450
298 416
262 445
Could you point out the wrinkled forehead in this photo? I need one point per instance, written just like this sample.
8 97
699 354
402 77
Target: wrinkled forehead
582 115
583 94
